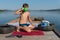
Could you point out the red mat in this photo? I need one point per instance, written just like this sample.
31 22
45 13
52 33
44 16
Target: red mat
35 32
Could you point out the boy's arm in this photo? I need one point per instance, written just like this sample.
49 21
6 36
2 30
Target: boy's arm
30 20
18 11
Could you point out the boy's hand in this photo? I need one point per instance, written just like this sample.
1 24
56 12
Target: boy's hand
19 11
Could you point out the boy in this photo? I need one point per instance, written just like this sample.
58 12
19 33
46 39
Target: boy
24 18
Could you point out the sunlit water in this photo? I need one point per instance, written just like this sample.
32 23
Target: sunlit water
52 16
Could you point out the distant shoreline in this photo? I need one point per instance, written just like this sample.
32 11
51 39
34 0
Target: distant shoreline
35 10
51 10
1 10
6 10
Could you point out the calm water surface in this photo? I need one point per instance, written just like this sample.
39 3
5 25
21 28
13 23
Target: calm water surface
52 16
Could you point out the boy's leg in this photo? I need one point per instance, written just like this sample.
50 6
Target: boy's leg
26 29
18 28
31 26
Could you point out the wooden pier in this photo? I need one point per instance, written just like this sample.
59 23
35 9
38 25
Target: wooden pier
48 35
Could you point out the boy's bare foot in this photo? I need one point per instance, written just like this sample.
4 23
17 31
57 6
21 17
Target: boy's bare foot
29 30
18 31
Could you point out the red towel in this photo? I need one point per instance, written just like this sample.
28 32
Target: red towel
35 32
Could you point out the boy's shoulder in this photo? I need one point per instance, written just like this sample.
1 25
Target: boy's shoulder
27 12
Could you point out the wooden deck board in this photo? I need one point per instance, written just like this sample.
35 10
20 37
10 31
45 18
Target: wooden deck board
48 36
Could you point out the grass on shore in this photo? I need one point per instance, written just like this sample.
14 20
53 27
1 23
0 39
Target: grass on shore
1 10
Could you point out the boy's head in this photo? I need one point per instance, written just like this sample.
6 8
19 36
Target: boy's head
25 5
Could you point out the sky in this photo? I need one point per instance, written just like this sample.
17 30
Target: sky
33 4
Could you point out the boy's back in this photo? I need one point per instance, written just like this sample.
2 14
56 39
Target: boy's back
24 17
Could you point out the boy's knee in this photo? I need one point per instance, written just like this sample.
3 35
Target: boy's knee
33 27
29 30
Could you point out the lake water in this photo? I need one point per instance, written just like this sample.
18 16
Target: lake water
52 16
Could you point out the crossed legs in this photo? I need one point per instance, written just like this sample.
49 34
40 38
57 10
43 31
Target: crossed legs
26 28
